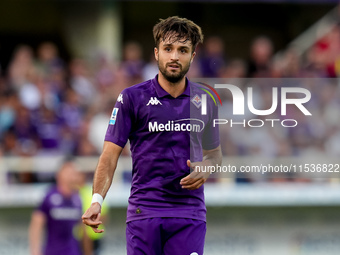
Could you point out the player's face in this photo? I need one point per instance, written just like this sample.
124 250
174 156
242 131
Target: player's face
174 59
68 177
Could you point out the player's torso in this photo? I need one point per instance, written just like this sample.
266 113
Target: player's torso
63 213
161 137
165 129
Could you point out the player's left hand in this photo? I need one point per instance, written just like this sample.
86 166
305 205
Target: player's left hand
92 217
196 178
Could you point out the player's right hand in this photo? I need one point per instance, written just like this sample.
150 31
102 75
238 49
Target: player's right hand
92 217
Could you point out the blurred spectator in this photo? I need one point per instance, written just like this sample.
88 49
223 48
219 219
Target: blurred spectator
133 63
236 68
82 82
98 125
70 115
261 51
105 74
8 106
289 66
121 82
30 96
49 129
24 134
84 146
70 111
21 66
326 52
212 59
315 63
48 58
59 212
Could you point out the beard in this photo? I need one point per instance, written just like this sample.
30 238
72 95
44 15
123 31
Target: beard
173 77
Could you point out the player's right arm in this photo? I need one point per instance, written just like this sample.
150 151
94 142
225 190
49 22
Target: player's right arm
101 183
36 229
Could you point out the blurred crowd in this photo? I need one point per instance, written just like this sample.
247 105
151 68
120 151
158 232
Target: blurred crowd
52 107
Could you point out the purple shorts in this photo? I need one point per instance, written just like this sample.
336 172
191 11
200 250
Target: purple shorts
165 236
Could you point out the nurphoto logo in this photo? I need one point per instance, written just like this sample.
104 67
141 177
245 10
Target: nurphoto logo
239 100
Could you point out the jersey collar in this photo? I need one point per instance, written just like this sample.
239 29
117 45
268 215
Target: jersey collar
162 93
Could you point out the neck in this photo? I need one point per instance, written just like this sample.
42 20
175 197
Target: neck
64 190
174 89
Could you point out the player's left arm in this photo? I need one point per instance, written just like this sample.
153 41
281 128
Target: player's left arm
36 229
197 177
86 242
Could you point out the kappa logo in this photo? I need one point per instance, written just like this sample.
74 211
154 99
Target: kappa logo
154 101
120 98
196 100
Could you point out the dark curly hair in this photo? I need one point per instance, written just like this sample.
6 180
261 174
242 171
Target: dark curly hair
177 29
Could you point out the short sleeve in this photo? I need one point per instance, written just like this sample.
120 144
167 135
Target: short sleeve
119 127
211 135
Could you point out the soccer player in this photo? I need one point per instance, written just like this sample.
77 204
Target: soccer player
169 136
59 213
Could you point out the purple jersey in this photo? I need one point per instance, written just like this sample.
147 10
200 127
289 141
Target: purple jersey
62 215
164 132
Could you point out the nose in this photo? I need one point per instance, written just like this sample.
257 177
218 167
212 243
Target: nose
174 55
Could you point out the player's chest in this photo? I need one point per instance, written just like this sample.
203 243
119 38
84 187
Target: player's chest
169 114
61 209
164 109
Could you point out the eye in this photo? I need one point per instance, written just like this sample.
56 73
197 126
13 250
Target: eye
184 50
167 49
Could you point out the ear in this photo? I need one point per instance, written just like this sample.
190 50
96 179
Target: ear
193 56
156 53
